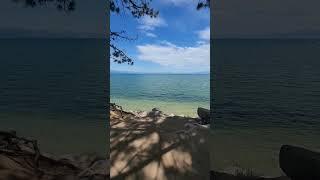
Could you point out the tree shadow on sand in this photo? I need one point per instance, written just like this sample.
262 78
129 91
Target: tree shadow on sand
156 146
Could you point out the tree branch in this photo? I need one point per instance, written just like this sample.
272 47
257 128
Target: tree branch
119 56
203 4
62 5
137 8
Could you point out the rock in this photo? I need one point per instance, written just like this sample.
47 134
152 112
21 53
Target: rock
204 115
155 109
299 163
82 161
141 113
155 112
171 115
99 167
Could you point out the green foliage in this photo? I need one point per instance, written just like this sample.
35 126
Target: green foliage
137 8
61 5
203 4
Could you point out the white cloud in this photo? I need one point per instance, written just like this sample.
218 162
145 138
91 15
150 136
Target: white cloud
151 34
204 34
201 42
148 24
178 2
196 58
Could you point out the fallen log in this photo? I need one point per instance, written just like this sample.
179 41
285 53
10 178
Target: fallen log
204 115
299 163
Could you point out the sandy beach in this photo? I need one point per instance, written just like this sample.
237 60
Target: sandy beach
153 145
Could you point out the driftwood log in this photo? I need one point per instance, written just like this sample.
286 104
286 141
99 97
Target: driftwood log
204 115
299 163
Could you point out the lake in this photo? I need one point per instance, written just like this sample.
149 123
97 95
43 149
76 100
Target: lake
179 94
55 91
266 93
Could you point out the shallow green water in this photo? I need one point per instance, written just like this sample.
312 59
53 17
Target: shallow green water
177 94
177 108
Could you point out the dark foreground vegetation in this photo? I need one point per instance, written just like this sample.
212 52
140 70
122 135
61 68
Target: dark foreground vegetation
21 159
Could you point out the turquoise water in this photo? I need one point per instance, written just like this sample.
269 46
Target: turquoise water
179 94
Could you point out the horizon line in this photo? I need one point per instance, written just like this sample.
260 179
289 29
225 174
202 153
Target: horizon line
164 73
105 38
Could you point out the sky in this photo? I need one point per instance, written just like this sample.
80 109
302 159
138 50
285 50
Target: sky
177 41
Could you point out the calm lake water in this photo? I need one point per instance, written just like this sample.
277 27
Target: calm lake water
179 94
55 91
266 94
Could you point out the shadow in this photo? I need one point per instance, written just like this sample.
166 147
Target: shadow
156 147
224 176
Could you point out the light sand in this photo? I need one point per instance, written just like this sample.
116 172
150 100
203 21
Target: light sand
156 147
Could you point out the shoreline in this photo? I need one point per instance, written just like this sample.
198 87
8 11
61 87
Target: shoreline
188 109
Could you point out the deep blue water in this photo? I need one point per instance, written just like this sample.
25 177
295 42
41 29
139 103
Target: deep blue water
55 90
275 81
266 93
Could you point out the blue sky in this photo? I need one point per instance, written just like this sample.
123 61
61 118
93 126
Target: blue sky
177 41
